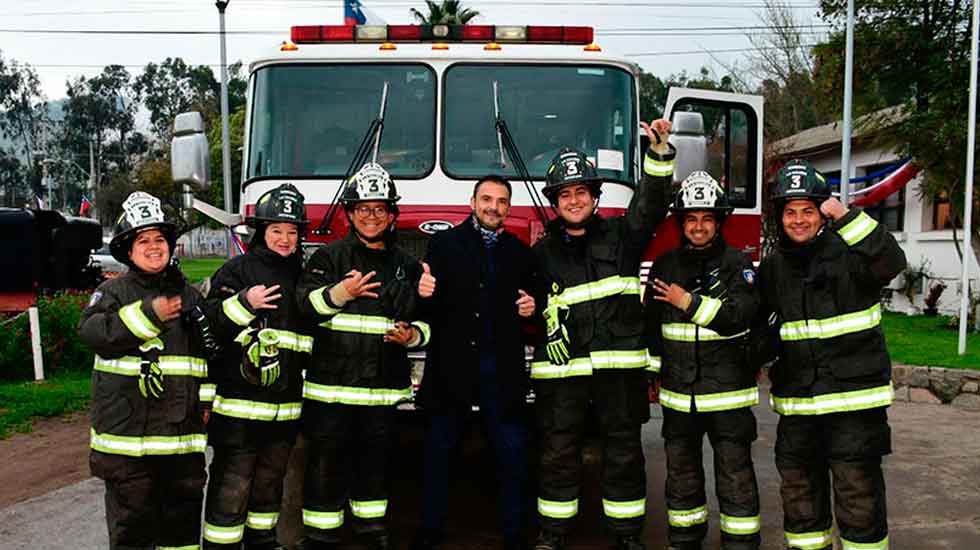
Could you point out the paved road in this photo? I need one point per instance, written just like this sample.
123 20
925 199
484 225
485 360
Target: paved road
933 499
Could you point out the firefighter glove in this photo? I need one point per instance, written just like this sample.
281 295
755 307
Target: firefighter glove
260 365
151 380
555 316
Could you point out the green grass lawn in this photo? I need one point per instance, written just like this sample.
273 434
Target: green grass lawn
921 340
22 401
197 269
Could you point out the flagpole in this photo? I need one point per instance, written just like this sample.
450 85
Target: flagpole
968 202
845 155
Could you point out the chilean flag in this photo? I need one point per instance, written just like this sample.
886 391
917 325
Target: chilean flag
356 14
84 206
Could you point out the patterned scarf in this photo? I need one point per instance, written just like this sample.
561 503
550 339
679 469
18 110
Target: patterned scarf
490 236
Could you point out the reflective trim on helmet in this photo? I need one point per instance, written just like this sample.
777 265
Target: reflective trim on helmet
238 313
207 392
223 535
654 364
369 509
747 525
831 327
597 360
320 303
351 395
689 332
262 521
710 402
857 229
137 322
658 168
362 324
424 330
323 520
148 445
558 509
848 401
257 410
687 518
624 509
879 545
597 290
815 540
171 365
706 311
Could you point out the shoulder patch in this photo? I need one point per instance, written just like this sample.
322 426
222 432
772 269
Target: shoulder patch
96 296
749 276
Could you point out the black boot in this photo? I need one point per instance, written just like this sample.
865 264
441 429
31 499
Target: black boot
629 542
684 546
310 544
549 541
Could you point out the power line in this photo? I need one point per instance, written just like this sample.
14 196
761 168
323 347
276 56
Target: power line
692 52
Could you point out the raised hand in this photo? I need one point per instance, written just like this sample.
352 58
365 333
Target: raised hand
358 285
525 304
833 209
657 131
167 309
427 283
261 296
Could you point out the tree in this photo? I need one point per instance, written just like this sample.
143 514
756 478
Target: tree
173 87
236 134
11 179
448 12
653 96
23 111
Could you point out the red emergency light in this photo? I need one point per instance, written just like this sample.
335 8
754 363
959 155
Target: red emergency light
404 33
534 34
315 34
476 33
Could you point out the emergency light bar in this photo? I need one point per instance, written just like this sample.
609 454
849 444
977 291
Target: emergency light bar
535 34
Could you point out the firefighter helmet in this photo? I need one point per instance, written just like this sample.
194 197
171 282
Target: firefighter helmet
141 212
799 180
700 191
570 167
371 183
284 204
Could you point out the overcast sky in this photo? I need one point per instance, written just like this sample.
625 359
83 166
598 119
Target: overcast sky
622 26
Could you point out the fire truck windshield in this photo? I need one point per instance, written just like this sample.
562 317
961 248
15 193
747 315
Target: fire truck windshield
546 107
308 120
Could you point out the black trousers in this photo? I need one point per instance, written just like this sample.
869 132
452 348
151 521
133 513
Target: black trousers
731 434
849 446
151 501
245 487
620 403
347 463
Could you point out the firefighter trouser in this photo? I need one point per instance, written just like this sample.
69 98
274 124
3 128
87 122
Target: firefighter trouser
561 408
849 446
731 434
347 463
152 502
245 489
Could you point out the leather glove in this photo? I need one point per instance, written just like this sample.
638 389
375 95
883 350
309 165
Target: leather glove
555 316
151 380
260 365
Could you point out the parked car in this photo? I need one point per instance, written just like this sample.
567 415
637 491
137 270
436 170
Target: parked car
108 265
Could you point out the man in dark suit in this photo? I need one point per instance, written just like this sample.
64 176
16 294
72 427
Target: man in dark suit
477 286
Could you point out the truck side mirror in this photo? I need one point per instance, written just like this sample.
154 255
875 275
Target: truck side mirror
687 135
189 151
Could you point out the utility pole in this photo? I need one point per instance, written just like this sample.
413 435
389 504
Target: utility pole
91 175
225 144
845 156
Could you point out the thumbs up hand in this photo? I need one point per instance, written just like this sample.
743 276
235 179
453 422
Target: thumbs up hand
525 304
427 283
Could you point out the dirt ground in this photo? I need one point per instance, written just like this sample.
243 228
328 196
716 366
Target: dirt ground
54 454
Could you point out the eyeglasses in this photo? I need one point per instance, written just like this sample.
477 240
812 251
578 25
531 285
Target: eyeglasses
377 211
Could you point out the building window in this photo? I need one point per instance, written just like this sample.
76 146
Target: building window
942 213
890 212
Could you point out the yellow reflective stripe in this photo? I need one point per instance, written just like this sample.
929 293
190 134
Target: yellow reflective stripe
294 341
557 509
857 229
171 365
655 363
690 332
740 525
234 310
675 401
262 521
831 327
724 401
320 304
139 324
148 445
816 540
323 520
207 392
597 360
848 545
857 400
597 290
256 410
424 330
368 509
361 324
350 395
624 509
687 518
187 547
707 311
656 167
223 535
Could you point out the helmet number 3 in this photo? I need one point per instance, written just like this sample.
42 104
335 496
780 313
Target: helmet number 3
699 194
287 207
797 182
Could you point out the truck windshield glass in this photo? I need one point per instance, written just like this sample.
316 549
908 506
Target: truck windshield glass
308 120
546 108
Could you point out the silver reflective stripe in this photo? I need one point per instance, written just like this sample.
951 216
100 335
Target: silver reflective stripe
353 395
676 401
597 290
424 330
740 525
235 311
857 229
557 509
831 327
690 332
724 401
687 518
624 509
707 311
207 392
362 324
323 520
655 167
597 360
857 400
171 365
816 540
320 303
369 509
879 545
294 341
139 324
655 363
256 410
262 521
223 535
148 445
187 547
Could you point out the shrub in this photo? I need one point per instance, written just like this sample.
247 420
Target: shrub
60 346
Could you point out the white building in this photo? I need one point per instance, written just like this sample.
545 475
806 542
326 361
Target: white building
920 224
